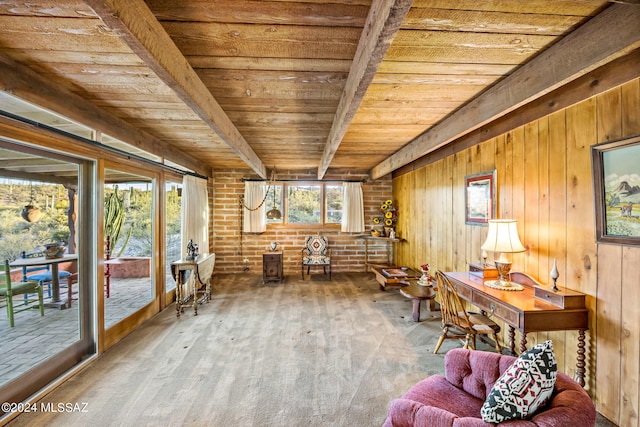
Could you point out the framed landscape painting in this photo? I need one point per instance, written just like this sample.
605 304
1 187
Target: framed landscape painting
616 184
480 197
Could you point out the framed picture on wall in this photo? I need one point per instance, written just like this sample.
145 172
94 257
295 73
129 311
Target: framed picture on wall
480 197
616 184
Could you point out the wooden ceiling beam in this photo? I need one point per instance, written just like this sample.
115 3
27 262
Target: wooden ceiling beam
383 22
41 177
142 32
28 85
585 49
610 76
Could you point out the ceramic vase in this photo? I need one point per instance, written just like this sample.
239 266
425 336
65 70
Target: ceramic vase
425 279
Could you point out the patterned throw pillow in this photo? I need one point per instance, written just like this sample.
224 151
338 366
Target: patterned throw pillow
524 387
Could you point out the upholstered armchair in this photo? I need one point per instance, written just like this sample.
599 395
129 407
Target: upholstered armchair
316 253
457 398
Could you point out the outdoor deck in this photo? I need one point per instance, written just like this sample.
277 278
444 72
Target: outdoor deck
35 338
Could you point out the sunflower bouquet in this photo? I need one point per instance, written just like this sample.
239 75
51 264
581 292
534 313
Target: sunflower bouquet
389 215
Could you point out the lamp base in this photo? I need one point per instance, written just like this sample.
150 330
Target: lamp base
503 267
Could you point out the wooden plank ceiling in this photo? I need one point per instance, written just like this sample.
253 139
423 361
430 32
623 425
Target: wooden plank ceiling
358 84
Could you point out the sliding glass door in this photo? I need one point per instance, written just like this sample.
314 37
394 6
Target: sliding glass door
46 218
129 230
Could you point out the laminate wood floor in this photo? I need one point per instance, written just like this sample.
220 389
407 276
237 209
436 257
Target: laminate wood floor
299 353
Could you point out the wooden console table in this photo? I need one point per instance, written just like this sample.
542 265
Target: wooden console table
534 309
369 239
201 270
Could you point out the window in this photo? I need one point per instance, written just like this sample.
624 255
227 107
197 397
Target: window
333 204
305 203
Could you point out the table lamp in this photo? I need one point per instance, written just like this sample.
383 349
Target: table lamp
502 238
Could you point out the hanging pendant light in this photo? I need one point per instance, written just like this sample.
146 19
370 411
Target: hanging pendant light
273 213
30 213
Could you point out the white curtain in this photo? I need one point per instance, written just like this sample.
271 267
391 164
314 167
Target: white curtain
195 213
255 220
353 208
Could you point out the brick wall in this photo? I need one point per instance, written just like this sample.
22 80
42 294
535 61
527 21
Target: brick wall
232 246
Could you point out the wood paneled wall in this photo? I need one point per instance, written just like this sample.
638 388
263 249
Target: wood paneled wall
544 181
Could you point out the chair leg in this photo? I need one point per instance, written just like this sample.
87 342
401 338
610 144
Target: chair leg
41 301
70 289
498 347
468 342
441 340
10 310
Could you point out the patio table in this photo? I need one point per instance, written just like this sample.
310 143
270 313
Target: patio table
56 301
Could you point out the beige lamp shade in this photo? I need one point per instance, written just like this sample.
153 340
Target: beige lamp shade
502 237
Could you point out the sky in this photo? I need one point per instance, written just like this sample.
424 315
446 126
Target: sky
622 165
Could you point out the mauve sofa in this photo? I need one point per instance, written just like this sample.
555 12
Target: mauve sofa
454 400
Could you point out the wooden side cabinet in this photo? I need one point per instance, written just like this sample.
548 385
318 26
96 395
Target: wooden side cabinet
272 270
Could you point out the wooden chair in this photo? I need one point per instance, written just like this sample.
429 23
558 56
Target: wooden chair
8 290
73 278
457 323
316 253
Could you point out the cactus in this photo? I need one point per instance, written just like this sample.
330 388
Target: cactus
114 219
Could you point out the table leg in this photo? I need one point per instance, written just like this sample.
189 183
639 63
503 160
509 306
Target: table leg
56 301
416 310
523 342
580 371
55 283
366 255
512 340
178 292
381 280
195 295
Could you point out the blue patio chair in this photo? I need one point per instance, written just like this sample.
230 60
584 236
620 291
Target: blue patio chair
43 273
